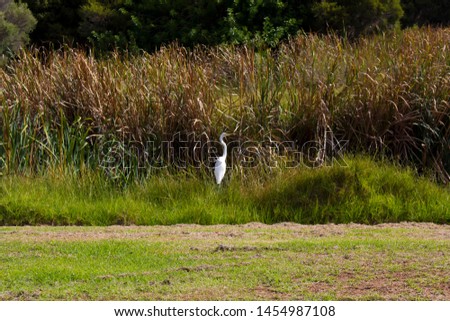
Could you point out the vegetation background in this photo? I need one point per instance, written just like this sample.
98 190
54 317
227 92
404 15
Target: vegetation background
148 24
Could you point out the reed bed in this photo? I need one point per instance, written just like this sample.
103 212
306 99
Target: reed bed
386 95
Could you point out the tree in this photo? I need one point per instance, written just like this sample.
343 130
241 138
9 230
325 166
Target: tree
426 12
58 21
16 22
151 23
148 24
262 22
107 24
357 17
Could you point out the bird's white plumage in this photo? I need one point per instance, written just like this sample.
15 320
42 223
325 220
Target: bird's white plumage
221 165
219 170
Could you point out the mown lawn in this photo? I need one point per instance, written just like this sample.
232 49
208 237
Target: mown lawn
407 261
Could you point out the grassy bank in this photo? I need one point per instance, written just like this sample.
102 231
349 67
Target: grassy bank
244 262
363 191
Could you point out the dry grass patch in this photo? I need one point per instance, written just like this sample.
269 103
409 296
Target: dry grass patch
241 262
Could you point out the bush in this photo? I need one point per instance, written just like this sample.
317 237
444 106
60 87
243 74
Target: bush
357 17
16 21
426 12
58 21
106 26
149 24
262 22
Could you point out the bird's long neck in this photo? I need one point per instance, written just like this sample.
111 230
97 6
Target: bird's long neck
224 155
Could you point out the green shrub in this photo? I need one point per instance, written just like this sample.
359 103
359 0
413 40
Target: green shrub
16 21
357 17
150 24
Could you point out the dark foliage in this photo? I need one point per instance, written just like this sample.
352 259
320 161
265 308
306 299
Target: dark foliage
148 24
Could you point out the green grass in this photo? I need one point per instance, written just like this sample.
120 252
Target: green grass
365 191
242 262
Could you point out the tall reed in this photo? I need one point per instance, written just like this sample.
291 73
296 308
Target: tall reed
386 95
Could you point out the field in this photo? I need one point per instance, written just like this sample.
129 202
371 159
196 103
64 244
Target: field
226 262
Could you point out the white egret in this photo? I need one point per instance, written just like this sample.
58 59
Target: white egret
221 165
